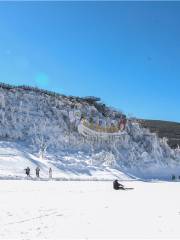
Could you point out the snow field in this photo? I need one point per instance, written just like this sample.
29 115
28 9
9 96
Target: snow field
88 210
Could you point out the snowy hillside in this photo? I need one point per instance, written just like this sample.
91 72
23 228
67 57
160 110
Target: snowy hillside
40 128
14 158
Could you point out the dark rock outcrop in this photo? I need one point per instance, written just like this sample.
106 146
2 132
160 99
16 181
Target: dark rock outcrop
170 130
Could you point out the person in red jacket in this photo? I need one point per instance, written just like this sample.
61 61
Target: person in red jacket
122 123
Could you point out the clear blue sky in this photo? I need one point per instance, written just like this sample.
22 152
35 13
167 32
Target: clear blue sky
127 53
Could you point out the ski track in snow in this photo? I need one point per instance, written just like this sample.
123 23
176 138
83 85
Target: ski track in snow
85 210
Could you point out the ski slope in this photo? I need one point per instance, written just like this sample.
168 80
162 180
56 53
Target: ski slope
88 210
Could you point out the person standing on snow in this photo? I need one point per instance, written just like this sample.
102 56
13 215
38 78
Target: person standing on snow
27 171
37 172
50 173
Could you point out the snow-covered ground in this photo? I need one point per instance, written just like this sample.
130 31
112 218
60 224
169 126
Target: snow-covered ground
88 209
15 157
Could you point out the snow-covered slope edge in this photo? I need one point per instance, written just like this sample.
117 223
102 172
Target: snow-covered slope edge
15 157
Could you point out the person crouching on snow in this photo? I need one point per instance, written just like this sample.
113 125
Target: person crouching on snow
117 185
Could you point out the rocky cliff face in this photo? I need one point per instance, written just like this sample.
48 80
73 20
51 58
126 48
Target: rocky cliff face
170 130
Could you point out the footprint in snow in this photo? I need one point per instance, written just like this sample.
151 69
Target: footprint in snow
9 214
59 215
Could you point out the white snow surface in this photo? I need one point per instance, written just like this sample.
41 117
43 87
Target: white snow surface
88 210
14 158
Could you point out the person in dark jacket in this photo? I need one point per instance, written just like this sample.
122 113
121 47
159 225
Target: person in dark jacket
37 172
117 185
27 171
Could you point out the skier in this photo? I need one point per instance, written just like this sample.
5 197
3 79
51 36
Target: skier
37 172
27 171
117 185
50 173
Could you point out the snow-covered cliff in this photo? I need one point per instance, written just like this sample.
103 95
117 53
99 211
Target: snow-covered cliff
47 123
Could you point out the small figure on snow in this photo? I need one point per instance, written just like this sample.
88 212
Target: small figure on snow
173 177
117 185
37 172
27 171
50 173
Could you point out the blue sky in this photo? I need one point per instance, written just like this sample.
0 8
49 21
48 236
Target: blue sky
127 53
